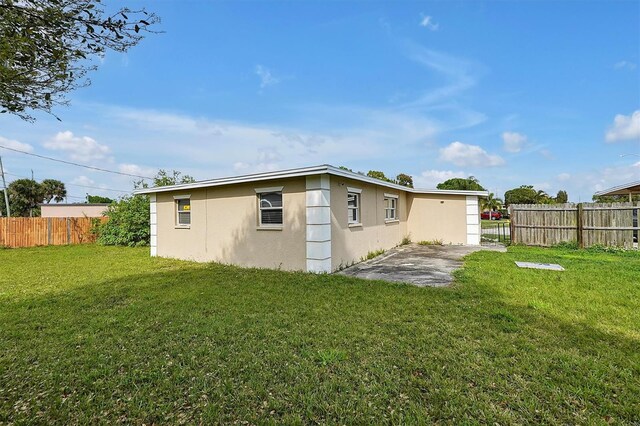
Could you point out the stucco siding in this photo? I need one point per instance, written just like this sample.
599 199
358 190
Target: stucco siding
224 226
438 217
350 243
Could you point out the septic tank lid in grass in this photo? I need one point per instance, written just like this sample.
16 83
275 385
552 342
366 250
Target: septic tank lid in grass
546 266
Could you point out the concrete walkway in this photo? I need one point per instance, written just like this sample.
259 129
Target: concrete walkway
415 264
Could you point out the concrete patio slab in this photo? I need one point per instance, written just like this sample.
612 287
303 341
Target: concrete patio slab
424 266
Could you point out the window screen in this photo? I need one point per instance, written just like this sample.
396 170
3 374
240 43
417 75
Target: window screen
353 205
270 208
184 212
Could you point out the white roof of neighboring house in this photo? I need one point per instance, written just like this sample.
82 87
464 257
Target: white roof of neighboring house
627 188
303 171
72 204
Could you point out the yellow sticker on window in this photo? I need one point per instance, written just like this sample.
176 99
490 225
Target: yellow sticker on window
187 207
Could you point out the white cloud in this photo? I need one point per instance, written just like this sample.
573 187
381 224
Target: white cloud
563 177
14 144
83 180
612 176
626 65
241 166
79 148
624 127
513 141
431 178
266 77
547 154
428 23
460 74
135 169
542 186
463 155
216 147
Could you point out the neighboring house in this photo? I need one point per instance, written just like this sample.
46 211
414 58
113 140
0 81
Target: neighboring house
73 210
629 189
316 219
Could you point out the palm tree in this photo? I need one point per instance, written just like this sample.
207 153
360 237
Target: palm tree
491 203
543 198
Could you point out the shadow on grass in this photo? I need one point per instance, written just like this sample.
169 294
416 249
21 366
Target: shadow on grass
222 344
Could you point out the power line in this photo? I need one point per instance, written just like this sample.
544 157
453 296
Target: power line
75 164
76 184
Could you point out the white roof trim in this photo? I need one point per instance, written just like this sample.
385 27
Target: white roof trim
626 187
303 171
271 189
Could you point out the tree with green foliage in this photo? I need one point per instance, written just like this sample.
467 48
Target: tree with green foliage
461 184
562 197
166 178
25 196
47 47
527 194
379 175
97 199
53 189
128 223
404 180
491 203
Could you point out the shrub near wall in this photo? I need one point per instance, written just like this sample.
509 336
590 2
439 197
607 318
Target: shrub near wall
128 223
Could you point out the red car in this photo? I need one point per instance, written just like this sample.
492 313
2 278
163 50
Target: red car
494 216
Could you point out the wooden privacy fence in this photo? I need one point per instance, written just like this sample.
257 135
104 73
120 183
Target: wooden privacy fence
587 224
43 231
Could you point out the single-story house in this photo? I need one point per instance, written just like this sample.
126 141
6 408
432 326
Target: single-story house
73 210
316 219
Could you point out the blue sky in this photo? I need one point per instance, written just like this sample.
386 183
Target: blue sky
542 93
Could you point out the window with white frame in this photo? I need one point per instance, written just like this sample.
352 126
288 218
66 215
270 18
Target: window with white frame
353 206
390 207
183 211
270 208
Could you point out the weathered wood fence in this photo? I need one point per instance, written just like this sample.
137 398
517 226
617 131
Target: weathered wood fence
587 224
42 231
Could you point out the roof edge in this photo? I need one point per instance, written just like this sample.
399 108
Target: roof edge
299 172
617 188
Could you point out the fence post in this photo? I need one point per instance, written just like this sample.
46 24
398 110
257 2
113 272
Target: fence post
579 230
512 225
49 231
68 230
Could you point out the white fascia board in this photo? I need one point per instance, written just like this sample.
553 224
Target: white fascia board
271 189
282 174
619 190
304 171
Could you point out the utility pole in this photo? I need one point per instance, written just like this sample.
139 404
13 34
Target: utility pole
4 185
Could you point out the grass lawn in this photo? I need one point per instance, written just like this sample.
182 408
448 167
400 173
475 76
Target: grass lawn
484 223
93 334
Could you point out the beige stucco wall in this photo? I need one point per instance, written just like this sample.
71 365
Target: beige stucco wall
350 244
79 210
224 227
437 217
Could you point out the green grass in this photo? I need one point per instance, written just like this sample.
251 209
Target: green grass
439 242
93 334
484 223
372 254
